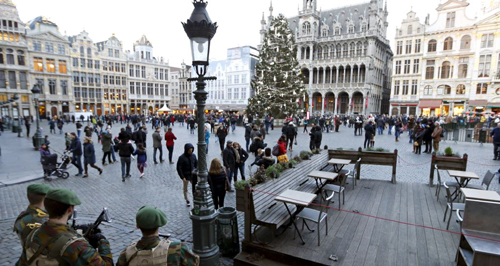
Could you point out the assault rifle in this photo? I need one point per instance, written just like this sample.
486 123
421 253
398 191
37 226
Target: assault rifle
92 228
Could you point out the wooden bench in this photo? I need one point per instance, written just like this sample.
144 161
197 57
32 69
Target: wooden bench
369 158
447 163
258 202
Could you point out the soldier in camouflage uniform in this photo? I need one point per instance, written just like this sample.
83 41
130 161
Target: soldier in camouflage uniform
56 243
151 250
34 214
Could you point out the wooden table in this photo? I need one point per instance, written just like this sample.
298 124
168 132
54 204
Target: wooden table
486 195
464 176
322 175
338 164
297 198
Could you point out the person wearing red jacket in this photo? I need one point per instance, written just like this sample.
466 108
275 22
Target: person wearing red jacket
170 137
282 145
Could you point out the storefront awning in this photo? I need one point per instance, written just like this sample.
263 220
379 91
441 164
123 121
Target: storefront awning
430 103
493 105
478 102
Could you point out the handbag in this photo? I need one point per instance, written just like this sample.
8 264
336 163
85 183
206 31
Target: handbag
226 185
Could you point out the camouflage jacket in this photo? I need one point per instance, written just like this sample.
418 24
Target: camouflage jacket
179 254
78 253
31 215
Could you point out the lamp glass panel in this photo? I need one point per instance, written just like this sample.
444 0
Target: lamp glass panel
199 48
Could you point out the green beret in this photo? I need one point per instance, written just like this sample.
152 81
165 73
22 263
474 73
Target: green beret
63 195
150 218
41 189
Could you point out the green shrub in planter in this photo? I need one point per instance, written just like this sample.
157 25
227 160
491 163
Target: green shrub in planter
315 151
448 151
340 149
278 166
253 182
304 155
272 172
297 159
241 184
294 162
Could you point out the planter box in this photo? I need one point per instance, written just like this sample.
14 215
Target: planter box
447 163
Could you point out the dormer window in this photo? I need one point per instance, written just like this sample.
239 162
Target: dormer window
450 20
324 32
337 30
351 29
410 30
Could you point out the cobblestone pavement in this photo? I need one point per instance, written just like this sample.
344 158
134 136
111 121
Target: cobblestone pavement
162 187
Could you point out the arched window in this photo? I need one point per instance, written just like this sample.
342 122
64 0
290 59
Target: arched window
446 70
418 30
448 44
351 49
465 42
339 50
345 50
461 89
82 51
89 52
358 48
10 57
410 29
325 52
428 90
319 52
306 28
431 47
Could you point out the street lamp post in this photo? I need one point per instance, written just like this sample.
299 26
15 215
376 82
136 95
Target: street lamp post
37 138
18 105
200 30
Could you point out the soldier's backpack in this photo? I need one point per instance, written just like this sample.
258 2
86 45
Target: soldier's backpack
155 256
41 255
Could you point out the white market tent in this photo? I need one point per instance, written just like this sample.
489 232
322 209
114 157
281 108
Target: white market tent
164 109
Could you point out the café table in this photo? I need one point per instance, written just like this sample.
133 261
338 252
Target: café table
338 164
297 198
322 175
464 176
486 195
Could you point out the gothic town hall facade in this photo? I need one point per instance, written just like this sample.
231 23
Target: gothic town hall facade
345 55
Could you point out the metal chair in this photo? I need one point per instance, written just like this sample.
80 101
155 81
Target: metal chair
486 181
316 216
460 219
440 183
339 189
451 205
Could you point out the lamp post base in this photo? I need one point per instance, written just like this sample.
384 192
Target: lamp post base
38 140
204 230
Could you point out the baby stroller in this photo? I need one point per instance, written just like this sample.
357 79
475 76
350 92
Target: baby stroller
52 167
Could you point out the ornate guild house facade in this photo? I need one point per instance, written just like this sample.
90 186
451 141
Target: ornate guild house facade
449 66
345 57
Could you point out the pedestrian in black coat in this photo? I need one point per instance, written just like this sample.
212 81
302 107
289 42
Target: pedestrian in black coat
229 158
318 136
89 156
186 164
369 134
217 180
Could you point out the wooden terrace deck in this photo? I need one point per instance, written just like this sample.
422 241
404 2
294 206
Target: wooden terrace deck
360 240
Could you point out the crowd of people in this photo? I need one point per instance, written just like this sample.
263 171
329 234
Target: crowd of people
133 140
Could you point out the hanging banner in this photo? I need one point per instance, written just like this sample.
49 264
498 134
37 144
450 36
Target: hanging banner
307 116
366 105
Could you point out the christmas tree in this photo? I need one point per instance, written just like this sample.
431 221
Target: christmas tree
278 82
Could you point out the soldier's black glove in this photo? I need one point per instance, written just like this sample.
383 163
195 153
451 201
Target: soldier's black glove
83 227
94 239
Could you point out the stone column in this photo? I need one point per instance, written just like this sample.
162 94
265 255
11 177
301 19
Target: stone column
323 105
363 106
335 104
324 75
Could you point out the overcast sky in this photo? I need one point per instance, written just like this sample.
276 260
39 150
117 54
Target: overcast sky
160 20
